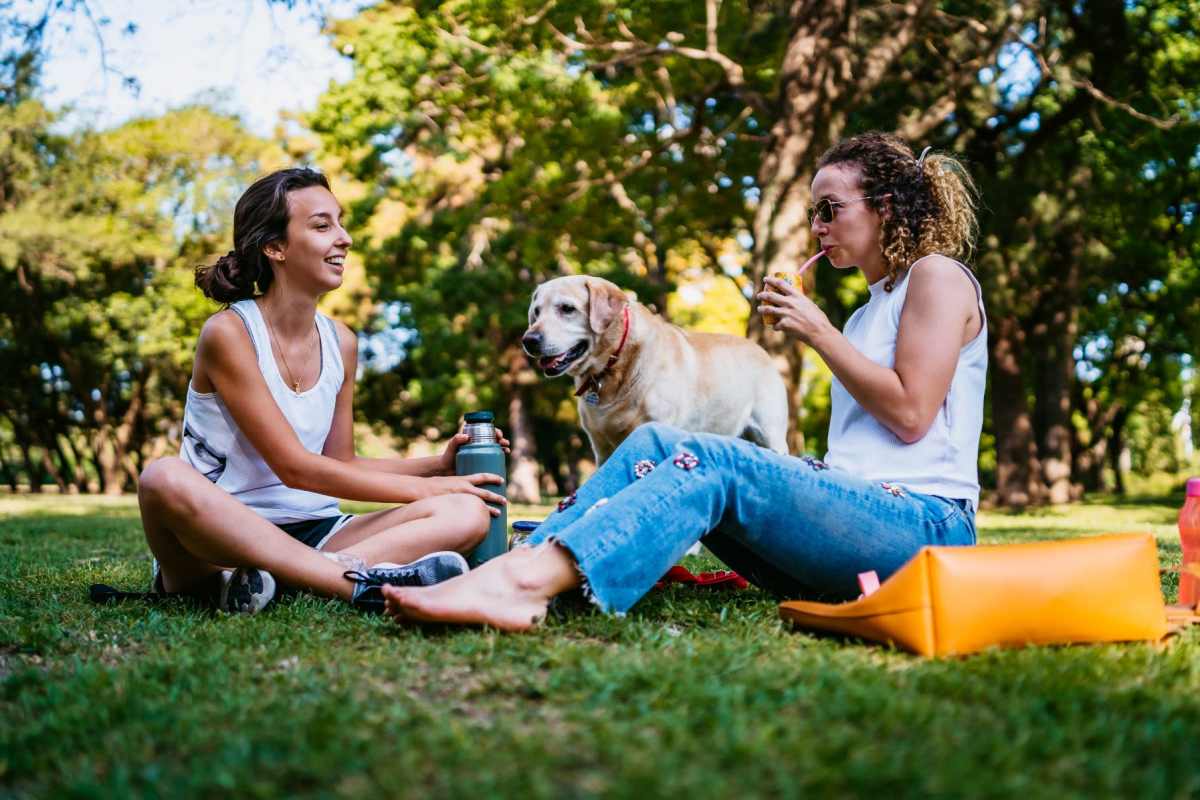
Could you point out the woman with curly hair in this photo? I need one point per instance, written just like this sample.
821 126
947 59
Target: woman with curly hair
907 409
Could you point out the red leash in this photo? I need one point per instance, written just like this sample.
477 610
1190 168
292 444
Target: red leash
722 578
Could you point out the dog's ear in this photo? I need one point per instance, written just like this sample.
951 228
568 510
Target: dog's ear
532 304
604 303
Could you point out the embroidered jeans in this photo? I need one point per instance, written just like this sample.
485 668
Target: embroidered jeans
790 525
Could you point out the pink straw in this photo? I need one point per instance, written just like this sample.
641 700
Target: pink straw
809 263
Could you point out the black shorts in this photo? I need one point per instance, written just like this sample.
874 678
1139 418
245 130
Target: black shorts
315 532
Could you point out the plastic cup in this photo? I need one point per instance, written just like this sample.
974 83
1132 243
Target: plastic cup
790 279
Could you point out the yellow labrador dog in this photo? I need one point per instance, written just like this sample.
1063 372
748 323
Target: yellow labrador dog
631 367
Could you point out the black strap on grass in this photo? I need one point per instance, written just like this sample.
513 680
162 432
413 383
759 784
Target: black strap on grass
102 593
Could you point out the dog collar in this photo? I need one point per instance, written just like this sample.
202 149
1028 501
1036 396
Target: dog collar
593 381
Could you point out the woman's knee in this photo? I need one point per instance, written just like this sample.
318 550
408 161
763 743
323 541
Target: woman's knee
464 518
716 450
164 481
653 440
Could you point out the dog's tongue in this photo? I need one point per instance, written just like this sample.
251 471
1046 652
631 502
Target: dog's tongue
549 362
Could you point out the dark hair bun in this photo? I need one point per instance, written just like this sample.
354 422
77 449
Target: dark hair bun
225 281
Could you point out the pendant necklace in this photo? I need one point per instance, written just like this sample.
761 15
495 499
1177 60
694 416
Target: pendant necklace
286 365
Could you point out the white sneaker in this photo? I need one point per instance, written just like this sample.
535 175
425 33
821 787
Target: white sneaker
246 590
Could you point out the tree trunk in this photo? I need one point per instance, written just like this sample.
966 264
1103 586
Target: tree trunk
1018 474
523 468
807 123
98 465
52 470
113 474
1088 463
1116 444
81 480
10 472
1088 459
1054 375
32 473
122 436
829 64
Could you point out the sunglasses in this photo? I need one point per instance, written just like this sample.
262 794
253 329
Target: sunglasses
827 209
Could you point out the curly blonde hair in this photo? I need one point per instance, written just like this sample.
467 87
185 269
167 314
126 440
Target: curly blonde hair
926 205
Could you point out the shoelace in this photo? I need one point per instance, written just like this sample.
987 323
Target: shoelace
366 579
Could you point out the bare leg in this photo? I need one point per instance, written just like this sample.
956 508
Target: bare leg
195 528
448 522
510 592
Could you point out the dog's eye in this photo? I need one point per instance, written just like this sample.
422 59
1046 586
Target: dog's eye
566 310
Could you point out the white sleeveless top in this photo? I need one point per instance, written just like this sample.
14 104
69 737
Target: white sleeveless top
945 462
214 445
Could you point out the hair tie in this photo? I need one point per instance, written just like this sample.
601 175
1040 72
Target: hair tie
921 158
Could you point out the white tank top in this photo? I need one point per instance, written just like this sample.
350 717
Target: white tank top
945 461
213 443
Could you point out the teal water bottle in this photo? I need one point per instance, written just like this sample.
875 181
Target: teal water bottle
482 453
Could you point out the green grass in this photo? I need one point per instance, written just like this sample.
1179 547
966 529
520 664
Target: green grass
692 695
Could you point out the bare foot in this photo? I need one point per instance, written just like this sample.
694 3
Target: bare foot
510 592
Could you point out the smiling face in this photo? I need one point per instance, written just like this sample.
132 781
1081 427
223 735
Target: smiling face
852 238
313 256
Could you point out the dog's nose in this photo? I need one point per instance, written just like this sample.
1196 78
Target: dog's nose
532 342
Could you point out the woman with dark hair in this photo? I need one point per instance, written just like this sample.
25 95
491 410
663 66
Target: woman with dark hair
268 441
907 409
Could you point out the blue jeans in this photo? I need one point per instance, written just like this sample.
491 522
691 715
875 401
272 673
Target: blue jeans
790 525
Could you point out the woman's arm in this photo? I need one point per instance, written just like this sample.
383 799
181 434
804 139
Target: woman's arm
225 359
940 315
340 442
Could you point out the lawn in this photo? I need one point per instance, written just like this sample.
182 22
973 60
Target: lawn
690 696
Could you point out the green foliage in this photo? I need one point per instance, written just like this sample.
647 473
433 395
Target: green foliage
484 146
99 234
493 158
1086 162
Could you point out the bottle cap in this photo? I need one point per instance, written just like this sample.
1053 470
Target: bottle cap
1193 487
476 417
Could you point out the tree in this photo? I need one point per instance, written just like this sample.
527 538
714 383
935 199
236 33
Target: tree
1095 96
99 234
506 142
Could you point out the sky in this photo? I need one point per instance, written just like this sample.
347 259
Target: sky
243 56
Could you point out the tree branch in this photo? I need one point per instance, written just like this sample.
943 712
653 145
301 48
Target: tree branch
884 54
965 74
1096 94
632 49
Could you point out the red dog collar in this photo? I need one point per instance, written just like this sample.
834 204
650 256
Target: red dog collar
594 380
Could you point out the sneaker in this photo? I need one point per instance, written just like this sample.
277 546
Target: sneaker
425 571
246 590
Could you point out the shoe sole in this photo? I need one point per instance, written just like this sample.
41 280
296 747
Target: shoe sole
248 591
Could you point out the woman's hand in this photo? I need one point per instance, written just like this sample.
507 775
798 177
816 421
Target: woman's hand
446 460
795 314
468 484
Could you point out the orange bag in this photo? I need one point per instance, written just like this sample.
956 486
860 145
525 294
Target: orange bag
958 600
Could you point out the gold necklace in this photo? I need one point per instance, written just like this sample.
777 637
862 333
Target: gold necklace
287 366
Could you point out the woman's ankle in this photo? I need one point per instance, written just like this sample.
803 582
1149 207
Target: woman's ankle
546 569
